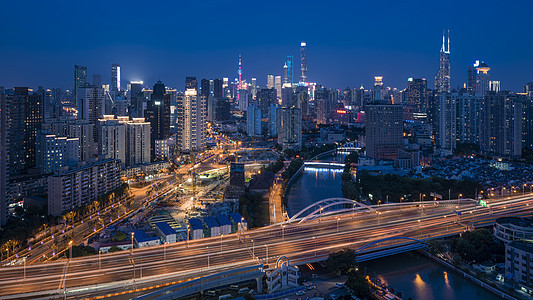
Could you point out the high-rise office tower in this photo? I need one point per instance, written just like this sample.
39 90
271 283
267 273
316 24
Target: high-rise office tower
384 131
112 138
158 114
442 79
136 99
55 152
290 66
222 109
254 87
285 73
205 91
287 95
270 81
417 97
253 120
377 92
478 78
301 100
243 99
137 141
303 67
191 122
97 80
289 128
502 124
80 79
218 91
25 118
191 83
446 122
323 105
90 105
273 119
115 78
468 114
277 85
482 78
266 97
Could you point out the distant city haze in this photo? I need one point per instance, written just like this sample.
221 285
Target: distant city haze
348 42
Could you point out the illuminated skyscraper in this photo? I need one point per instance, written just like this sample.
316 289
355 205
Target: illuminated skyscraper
417 96
442 79
277 85
482 78
191 122
115 78
80 79
158 114
270 81
290 66
303 67
289 127
384 131
285 73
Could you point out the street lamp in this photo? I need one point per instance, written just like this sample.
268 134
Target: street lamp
221 242
99 259
459 200
208 257
337 224
282 232
132 234
70 253
253 249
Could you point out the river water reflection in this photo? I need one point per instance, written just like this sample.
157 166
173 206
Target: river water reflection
419 277
315 184
416 276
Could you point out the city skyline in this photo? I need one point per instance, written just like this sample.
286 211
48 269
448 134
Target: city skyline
348 51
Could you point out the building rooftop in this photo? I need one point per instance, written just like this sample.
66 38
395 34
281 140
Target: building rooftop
211 222
236 217
522 246
165 228
196 224
141 236
223 220
520 222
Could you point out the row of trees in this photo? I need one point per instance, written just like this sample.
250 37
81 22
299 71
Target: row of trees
397 188
343 263
293 167
33 220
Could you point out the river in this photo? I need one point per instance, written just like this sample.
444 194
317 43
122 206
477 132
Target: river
315 184
416 276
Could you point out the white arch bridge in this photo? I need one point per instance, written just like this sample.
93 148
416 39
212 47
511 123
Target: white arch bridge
334 206
328 207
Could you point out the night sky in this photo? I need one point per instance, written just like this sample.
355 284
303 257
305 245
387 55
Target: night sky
348 42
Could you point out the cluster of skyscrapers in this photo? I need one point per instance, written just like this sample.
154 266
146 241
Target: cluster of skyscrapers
52 140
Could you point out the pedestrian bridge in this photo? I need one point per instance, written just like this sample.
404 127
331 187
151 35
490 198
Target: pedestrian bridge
328 207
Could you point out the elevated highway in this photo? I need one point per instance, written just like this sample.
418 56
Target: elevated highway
147 269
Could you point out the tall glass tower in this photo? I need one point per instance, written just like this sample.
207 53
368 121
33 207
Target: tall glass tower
303 67
442 79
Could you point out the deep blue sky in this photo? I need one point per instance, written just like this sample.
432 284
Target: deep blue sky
348 41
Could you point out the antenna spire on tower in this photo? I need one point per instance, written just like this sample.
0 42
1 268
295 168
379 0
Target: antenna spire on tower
448 41
443 49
